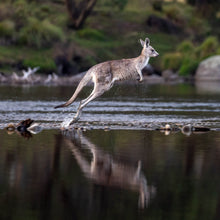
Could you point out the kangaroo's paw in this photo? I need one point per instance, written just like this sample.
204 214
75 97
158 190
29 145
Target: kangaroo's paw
139 79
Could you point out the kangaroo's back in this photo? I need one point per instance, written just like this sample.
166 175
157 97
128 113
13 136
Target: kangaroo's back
124 69
115 70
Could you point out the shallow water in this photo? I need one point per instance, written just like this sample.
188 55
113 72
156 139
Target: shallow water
128 171
123 107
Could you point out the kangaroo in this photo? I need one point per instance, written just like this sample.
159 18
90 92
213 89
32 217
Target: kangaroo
105 74
104 170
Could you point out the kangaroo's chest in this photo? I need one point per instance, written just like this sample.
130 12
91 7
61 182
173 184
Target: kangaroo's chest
144 63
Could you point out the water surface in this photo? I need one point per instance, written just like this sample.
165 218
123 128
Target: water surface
124 106
128 171
124 174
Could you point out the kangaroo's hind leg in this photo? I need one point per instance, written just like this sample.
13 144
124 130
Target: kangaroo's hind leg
98 90
79 110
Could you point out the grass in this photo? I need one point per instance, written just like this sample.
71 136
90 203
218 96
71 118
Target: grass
39 33
28 57
108 33
7 28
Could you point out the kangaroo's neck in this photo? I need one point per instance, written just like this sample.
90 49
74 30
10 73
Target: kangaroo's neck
142 60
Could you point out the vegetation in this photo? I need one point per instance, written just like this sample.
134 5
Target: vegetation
187 56
33 34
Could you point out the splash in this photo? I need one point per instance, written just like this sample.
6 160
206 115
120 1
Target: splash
66 123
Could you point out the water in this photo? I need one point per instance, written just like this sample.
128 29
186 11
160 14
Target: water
123 107
128 171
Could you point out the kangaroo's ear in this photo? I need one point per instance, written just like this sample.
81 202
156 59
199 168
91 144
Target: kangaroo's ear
142 43
147 42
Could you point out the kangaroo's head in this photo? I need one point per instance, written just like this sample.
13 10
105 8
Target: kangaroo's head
148 50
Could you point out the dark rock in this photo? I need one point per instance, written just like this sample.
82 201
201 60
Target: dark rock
23 125
150 70
201 129
163 24
21 128
169 75
64 66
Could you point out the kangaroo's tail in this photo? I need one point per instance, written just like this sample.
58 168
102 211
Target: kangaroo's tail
82 83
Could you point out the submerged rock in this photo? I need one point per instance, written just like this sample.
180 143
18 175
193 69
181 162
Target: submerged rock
170 76
187 129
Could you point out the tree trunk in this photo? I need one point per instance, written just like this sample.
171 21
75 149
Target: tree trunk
79 13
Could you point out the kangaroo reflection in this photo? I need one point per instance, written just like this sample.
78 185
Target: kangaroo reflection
105 170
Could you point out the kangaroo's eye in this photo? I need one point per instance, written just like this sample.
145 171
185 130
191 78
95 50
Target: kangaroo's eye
152 50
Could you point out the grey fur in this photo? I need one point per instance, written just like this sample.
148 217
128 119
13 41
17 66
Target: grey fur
105 74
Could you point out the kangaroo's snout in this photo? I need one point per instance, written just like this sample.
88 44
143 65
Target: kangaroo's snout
156 54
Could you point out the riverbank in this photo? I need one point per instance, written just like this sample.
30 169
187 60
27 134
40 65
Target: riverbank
53 79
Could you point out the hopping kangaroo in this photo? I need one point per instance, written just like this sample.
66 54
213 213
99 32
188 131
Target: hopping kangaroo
105 74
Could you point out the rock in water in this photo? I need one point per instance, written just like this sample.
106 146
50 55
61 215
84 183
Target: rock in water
209 69
23 125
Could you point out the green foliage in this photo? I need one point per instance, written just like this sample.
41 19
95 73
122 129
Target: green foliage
22 10
174 12
40 33
43 11
187 18
6 11
188 56
186 47
45 63
188 66
30 57
208 47
198 25
157 5
7 28
172 61
35 24
88 61
91 34
120 4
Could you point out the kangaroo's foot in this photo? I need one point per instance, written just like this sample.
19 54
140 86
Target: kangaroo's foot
67 122
139 78
75 119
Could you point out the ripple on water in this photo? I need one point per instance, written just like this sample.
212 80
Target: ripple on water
117 114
